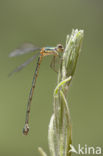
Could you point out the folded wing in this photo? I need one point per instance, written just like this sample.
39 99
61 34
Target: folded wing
24 49
24 64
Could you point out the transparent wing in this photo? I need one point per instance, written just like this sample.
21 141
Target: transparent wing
24 49
24 64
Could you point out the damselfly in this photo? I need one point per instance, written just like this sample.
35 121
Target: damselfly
45 51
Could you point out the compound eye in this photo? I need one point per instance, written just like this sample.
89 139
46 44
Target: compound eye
60 46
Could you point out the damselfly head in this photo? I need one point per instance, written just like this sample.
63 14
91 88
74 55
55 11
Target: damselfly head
59 48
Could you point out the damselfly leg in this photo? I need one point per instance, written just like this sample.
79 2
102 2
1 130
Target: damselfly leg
55 62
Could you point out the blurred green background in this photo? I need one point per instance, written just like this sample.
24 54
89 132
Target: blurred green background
46 23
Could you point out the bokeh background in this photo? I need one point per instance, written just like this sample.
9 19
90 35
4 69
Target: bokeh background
46 23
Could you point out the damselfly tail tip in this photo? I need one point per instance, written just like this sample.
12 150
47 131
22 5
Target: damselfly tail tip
26 129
